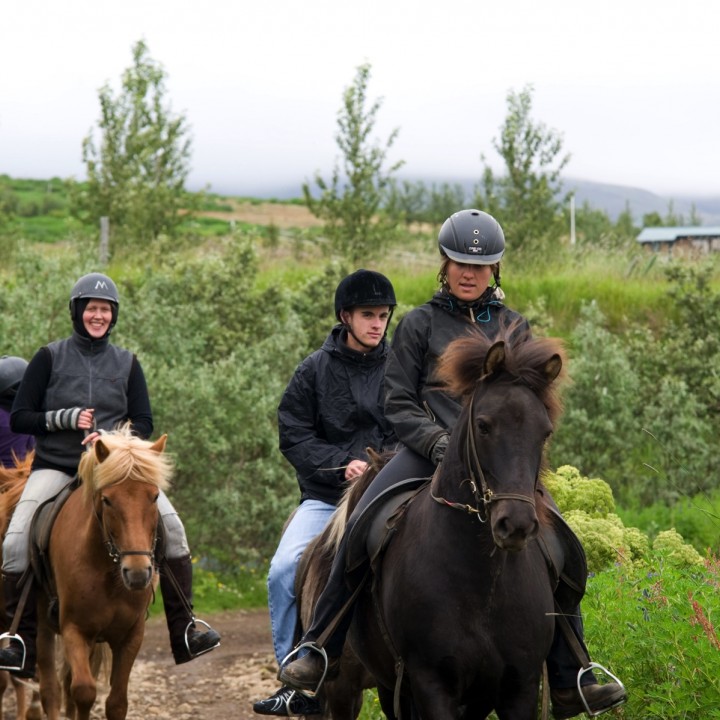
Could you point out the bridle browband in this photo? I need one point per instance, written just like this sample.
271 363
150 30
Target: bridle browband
484 496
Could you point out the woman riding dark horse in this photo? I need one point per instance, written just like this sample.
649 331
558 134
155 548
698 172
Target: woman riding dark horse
471 245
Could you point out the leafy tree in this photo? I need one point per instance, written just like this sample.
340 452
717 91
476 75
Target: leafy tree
137 171
526 198
355 204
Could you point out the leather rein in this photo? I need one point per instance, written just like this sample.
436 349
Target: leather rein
484 496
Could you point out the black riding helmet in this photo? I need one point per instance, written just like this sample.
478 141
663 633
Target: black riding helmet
12 370
93 285
364 288
472 237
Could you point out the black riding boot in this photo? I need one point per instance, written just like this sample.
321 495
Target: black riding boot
186 640
11 657
563 668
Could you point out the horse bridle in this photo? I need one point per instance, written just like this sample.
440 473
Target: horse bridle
114 552
484 496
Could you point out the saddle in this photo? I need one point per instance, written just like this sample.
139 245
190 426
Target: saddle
40 529
373 530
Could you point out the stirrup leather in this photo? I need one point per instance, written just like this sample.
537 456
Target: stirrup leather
312 646
193 623
596 666
15 637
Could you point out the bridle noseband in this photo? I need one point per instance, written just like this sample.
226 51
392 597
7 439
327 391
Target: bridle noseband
484 496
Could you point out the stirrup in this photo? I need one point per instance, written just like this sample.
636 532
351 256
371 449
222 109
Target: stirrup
596 666
193 623
311 645
15 636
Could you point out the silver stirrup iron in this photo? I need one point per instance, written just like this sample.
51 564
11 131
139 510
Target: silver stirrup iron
10 636
589 668
311 646
195 621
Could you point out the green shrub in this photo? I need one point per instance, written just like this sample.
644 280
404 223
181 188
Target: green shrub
656 627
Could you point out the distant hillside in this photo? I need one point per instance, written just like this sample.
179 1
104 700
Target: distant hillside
612 199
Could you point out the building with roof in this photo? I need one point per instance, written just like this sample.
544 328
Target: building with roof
696 240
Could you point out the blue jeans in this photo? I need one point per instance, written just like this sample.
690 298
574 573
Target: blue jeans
309 520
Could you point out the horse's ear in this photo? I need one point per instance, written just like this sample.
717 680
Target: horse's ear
101 450
159 445
494 359
374 458
553 367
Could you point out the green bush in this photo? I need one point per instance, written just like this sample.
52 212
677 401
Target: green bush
656 627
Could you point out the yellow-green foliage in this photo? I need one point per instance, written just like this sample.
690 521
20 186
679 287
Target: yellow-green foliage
572 491
670 545
588 507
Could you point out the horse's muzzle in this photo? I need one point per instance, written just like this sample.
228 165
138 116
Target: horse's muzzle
137 578
513 526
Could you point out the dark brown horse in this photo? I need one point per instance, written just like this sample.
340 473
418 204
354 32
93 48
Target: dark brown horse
102 556
460 616
341 697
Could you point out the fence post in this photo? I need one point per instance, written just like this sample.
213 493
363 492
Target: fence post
104 240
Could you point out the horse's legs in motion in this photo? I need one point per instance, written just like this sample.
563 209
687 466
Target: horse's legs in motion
123 657
83 688
47 674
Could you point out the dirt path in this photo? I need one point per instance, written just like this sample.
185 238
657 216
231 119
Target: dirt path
220 685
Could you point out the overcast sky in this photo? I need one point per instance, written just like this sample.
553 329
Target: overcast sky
632 85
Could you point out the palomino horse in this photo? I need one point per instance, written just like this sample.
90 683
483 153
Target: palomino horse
12 481
101 552
460 615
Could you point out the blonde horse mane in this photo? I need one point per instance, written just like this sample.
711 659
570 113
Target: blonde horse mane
332 535
119 455
12 483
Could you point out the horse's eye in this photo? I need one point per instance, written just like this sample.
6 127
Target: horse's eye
155 499
106 501
483 427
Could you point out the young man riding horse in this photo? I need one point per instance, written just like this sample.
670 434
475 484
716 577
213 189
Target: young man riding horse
471 245
329 414
71 389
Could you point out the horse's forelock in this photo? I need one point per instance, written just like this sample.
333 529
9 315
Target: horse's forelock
526 358
129 458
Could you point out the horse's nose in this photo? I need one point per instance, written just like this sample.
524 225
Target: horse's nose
513 531
136 578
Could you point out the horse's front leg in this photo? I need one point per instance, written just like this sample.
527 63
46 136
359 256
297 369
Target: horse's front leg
123 657
46 670
83 687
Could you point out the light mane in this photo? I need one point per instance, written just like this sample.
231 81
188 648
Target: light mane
129 458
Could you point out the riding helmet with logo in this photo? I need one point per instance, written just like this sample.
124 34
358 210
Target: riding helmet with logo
473 237
364 288
12 370
93 285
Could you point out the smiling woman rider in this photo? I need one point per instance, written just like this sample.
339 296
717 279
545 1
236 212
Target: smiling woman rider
71 389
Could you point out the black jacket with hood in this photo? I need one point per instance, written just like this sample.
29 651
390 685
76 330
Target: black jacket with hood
331 410
419 411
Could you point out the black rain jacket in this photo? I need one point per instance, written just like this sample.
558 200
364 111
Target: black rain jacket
419 411
332 410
